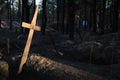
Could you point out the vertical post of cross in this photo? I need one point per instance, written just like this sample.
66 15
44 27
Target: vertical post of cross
32 27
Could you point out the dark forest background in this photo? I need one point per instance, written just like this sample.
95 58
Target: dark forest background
67 16
79 40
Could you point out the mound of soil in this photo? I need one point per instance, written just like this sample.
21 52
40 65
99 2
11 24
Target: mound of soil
58 58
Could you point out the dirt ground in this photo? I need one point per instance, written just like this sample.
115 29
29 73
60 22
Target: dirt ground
54 57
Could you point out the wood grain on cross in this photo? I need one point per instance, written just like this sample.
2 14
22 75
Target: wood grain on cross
32 27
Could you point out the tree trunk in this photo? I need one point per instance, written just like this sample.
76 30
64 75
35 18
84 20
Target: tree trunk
19 7
0 22
102 16
115 15
94 16
10 15
8 8
34 6
44 17
58 13
71 19
90 19
25 13
20 14
85 14
63 16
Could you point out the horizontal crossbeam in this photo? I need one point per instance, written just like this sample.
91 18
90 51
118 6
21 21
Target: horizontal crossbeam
26 25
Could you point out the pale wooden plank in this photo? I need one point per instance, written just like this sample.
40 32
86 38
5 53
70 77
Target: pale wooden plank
26 50
35 16
32 27
27 25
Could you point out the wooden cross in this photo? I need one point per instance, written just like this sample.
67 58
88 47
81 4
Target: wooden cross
32 27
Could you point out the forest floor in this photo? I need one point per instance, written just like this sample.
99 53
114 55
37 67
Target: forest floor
54 57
